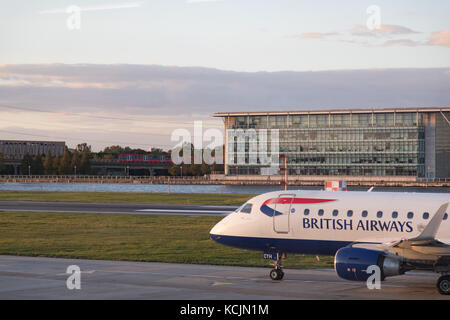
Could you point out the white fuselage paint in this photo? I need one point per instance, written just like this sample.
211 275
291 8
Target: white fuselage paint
293 224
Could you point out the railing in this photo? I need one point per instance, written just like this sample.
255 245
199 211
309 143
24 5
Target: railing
225 180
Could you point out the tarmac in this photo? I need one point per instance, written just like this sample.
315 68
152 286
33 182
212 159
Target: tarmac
47 278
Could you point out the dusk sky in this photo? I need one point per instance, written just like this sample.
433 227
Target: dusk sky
130 72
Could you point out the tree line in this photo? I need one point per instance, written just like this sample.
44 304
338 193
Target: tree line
78 161
69 163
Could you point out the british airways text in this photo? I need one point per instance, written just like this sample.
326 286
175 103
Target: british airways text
361 225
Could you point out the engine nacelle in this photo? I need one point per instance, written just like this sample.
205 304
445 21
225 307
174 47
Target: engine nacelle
352 263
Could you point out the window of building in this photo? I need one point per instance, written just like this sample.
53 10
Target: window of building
299 121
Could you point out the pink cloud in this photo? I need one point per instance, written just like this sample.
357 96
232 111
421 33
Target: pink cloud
384 29
317 35
440 38
401 42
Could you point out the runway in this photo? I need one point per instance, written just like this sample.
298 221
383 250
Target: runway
116 208
45 278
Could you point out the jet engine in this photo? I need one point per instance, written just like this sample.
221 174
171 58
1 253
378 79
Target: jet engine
352 263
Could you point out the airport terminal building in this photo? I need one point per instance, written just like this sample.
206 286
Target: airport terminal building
354 142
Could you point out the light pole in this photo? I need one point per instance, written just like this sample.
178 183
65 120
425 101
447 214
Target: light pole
29 170
75 171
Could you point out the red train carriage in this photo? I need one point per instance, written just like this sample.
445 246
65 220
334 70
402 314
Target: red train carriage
151 158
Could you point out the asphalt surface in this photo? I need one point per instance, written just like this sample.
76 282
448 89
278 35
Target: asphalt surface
46 278
116 208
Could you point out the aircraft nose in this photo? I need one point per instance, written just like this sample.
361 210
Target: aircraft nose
215 231
218 230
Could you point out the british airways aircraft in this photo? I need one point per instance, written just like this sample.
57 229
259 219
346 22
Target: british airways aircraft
398 232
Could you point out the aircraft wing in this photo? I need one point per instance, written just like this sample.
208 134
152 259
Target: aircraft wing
424 249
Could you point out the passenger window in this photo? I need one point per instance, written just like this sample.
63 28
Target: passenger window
320 212
379 214
394 215
247 208
335 213
410 215
364 213
306 212
349 213
445 216
426 215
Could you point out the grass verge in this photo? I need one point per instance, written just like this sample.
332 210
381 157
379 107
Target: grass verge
128 197
172 239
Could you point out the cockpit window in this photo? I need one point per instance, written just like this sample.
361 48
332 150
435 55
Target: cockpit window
247 208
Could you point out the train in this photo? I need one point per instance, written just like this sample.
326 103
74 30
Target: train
152 158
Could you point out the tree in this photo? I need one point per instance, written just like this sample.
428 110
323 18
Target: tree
64 167
205 169
74 163
57 164
85 165
25 165
48 164
2 162
115 150
82 147
174 170
37 167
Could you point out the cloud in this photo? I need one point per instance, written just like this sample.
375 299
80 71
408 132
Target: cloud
382 31
440 38
95 8
317 35
363 36
201 1
161 90
142 104
401 42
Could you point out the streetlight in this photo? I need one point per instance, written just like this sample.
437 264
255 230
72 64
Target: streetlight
75 171
29 170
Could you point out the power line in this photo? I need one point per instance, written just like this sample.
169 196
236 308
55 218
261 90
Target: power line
82 139
90 116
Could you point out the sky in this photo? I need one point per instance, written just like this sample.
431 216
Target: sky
130 72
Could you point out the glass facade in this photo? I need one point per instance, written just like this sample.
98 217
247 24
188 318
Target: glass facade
357 144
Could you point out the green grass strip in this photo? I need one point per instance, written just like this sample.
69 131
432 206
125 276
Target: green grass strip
128 197
172 239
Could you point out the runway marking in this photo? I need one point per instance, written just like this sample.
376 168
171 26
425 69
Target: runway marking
183 211
141 212
222 283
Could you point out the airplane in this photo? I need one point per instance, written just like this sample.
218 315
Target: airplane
398 232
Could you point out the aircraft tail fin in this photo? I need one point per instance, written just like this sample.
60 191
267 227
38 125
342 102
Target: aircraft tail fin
430 231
